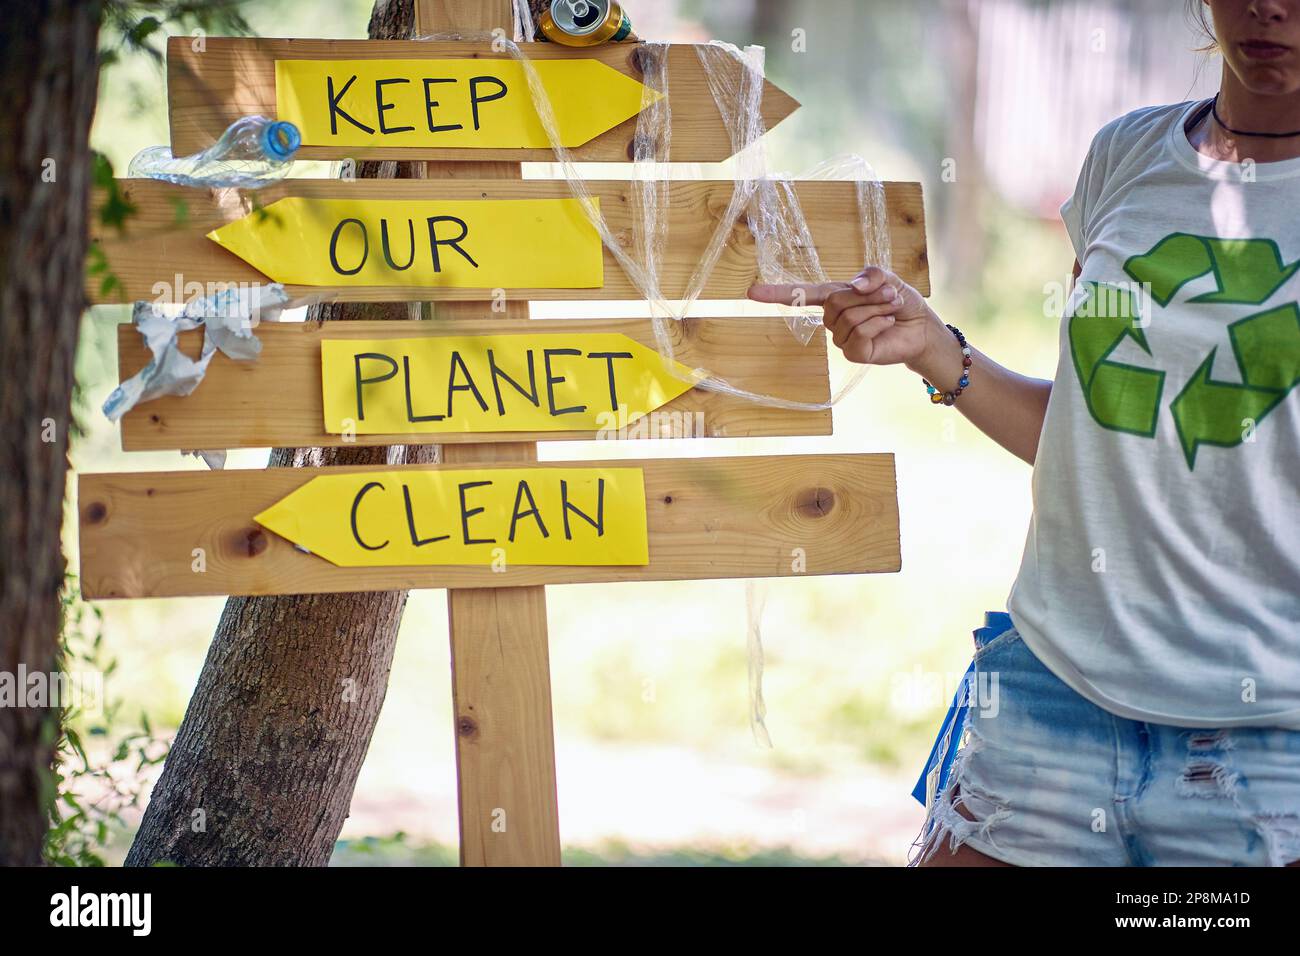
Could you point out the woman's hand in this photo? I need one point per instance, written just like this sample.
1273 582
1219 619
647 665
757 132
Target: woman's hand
878 319
874 319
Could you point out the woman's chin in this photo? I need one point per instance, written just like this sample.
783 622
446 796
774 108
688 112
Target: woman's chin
1263 79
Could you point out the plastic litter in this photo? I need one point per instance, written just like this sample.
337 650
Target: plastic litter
785 250
214 459
755 602
253 152
227 319
585 23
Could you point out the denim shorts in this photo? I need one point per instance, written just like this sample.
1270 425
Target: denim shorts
1041 776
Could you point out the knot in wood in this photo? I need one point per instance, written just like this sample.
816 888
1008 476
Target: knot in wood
815 502
642 59
643 145
253 542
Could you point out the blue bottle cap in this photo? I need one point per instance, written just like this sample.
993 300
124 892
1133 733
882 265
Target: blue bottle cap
280 140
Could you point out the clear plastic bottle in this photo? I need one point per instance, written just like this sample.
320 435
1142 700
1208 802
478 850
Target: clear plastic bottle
253 152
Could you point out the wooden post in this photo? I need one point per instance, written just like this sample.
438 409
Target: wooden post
500 663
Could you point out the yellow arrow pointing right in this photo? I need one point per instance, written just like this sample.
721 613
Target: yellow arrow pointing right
479 103
554 381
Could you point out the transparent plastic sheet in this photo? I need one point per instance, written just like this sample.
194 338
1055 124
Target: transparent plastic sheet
755 602
227 318
785 250
786 253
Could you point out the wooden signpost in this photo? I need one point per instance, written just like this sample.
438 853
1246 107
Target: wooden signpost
279 400
399 240
491 523
208 90
700 518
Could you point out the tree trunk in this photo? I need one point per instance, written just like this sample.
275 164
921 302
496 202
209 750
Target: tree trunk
48 80
264 765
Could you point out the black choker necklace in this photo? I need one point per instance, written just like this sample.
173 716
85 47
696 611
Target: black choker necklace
1214 108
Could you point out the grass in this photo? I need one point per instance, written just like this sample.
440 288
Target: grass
397 850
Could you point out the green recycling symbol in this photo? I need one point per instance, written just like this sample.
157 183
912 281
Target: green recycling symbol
1266 345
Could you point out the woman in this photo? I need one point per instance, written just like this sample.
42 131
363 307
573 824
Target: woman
1148 668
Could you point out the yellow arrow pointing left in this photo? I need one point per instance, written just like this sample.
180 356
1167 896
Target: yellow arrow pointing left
464 243
501 516
555 381
474 103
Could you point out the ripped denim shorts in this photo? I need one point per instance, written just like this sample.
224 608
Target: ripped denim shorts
1040 776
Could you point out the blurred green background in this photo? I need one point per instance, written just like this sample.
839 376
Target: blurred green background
991 105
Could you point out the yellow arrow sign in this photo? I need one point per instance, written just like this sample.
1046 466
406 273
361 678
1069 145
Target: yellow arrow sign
473 244
550 381
497 516
453 103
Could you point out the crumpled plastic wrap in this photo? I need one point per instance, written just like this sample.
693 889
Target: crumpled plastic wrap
786 252
785 249
227 319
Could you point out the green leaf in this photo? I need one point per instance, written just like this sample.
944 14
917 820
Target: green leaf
143 30
116 208
74 739
109 283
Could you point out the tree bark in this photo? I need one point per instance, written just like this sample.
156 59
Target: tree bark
48 84
264 765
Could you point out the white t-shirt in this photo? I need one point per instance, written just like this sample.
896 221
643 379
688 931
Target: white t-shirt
1161 575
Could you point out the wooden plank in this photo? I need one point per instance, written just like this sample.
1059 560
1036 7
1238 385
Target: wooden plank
501 690
234 77
276 400
707 518
500 658
164 255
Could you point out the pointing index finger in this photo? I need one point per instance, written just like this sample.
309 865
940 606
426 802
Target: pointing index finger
800 294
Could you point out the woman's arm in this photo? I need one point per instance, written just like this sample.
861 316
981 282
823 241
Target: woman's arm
1005 405
878 319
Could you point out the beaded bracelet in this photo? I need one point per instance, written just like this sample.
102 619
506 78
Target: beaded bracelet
947 398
